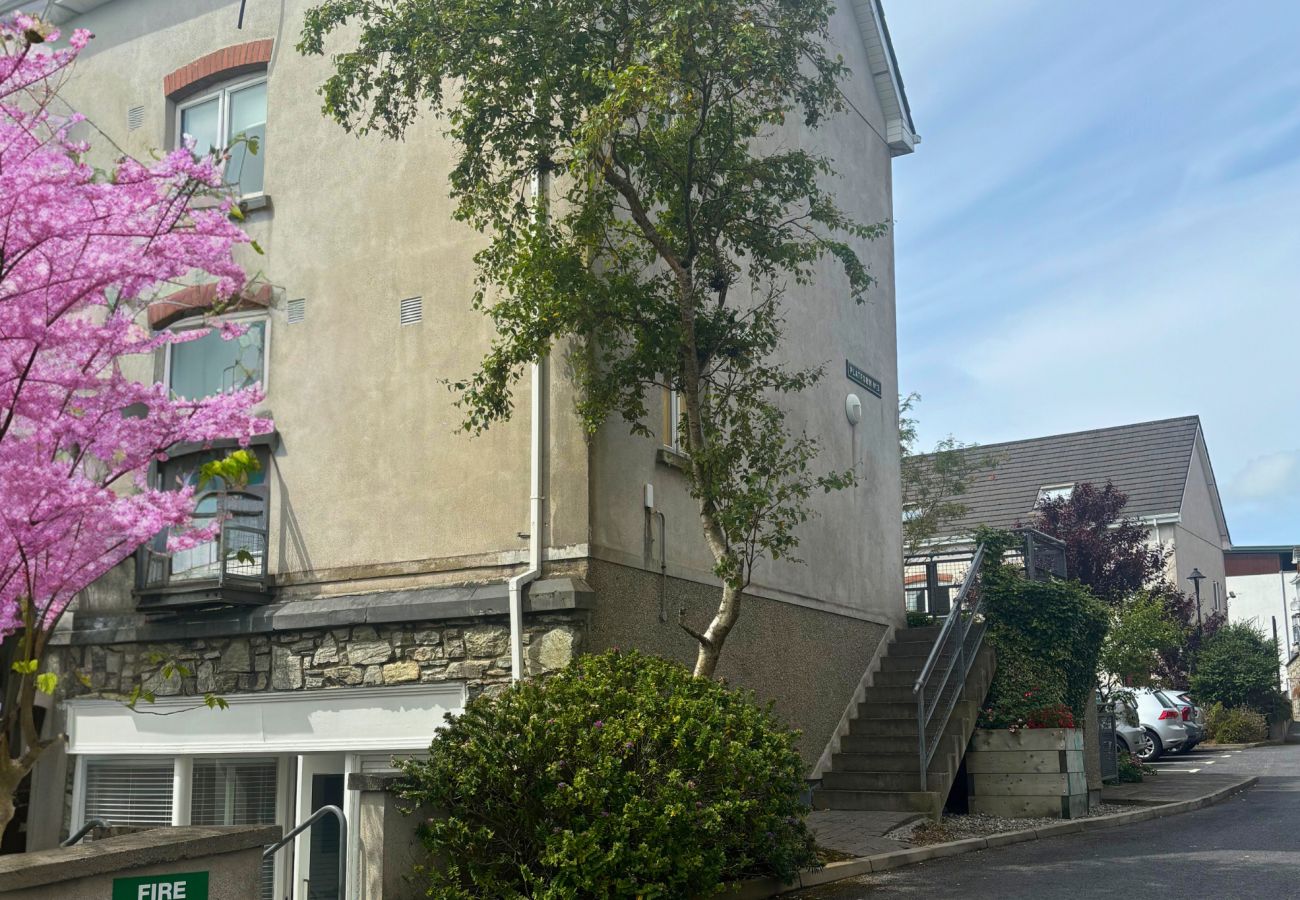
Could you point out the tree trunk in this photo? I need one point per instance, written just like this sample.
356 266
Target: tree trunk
706 661
11 775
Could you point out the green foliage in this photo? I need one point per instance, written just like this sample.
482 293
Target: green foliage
919 619
934 482
1225 725
676 211
622 776
232 470
1237 667
1141 629
1047 636
1132 770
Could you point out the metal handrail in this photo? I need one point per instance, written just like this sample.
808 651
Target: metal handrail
309 822
961 620
85 830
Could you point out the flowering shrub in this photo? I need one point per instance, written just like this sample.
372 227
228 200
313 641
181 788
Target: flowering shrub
623 776
1057 715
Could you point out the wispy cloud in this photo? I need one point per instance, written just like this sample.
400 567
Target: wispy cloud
1268 478
1102 225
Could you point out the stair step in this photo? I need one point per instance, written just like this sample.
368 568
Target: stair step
903 801
911 648
885 727
925 635
891 693
897 782
879 744
886 762
876 709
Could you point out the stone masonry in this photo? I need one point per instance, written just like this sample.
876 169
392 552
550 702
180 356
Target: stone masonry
476 651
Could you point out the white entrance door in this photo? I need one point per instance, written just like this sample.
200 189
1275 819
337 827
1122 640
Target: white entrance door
317 851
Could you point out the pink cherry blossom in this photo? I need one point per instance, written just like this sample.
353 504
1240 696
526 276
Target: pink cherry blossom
81 256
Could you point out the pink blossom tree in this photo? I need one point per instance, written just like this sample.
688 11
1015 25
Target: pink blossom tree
81 254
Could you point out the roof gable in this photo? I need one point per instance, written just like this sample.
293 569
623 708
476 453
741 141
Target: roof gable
900 133
1149 462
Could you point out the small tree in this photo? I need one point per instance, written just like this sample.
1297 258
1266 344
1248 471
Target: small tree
678 220
1238 667
80 253
1142 628
1105 550
934 482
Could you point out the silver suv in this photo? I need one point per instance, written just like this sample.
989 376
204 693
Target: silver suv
1162 721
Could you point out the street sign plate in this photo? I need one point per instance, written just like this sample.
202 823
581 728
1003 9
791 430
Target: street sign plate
859 376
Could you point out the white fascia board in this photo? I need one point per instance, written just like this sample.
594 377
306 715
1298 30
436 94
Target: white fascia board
401 717
899 133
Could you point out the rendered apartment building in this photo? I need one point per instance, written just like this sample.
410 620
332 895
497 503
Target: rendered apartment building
361 586
1163 467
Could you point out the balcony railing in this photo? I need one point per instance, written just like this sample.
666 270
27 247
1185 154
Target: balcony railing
228 571
931 581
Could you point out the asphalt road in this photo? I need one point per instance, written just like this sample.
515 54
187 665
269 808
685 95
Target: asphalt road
1245 847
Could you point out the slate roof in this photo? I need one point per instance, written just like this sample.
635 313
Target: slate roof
1148 461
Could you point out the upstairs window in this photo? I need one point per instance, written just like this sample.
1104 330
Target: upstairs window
1051 492
212 365
672 419
219 117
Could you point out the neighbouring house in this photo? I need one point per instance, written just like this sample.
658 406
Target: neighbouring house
361 586
1163 467
1264 589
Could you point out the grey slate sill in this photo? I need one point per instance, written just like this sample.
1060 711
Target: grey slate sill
673 459
386 607
253 204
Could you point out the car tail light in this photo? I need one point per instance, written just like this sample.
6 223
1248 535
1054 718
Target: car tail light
1187 713
1167 714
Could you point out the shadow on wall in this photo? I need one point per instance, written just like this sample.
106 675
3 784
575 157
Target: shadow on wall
293 554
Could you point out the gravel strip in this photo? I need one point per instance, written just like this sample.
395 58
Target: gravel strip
955 828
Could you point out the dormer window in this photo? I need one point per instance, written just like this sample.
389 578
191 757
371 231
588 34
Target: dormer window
1051 492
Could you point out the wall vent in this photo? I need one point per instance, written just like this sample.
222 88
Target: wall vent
134 118
412 310
296 311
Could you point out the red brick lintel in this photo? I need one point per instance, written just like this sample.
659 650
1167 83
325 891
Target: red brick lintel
219 65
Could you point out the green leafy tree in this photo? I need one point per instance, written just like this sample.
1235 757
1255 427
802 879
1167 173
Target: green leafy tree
672 219
1237 666
1141 629
934 482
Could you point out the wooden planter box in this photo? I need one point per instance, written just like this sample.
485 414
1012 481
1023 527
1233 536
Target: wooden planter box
1032 772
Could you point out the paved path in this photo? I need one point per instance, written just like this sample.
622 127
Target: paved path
1246 847
858 833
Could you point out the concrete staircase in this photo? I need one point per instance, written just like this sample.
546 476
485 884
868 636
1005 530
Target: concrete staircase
878 766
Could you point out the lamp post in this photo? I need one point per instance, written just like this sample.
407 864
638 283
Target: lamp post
1196 578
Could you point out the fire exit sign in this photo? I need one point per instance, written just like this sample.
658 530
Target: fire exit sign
188 886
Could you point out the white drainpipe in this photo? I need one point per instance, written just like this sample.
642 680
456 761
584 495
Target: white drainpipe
534 569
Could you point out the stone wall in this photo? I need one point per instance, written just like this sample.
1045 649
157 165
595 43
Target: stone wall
1293 679
476 651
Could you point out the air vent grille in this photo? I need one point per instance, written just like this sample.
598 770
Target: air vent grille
134 118
296 311
412 310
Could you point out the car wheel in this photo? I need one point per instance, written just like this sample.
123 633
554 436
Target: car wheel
1122 745
1185 749
1151 748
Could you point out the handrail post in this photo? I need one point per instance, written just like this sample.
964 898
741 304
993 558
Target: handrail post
920 729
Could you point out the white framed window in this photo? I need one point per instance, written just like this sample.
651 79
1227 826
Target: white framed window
212 365
672 419
222 115
1050 492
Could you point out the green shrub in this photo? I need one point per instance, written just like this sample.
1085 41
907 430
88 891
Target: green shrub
1132 770
1047 636
1239 725
1238 667
919 619
622 776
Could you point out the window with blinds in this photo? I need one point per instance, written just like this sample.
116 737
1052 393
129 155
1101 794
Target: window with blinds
125 791
236 792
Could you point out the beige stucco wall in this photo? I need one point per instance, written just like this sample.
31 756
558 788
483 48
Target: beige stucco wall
1197 543
371 468
852 550
371 479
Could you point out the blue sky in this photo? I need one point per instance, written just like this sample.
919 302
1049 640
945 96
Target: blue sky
1102 226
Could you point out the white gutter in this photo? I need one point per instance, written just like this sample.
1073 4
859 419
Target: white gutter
537 426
